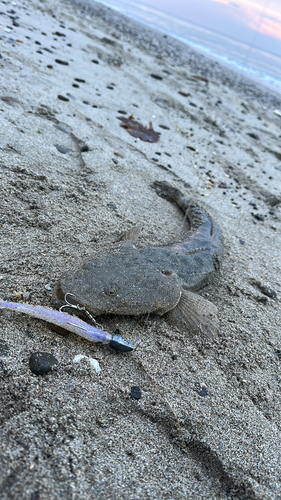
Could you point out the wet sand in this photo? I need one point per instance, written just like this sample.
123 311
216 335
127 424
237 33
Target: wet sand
75 433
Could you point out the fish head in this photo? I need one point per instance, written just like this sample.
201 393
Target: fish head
121 280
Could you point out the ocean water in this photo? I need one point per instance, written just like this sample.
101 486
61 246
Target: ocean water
259 65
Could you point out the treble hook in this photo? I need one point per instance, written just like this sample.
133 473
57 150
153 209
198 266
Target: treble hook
79 308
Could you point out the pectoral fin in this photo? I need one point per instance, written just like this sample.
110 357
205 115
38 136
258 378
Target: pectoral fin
196 314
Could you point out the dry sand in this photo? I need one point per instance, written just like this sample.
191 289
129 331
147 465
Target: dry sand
75 433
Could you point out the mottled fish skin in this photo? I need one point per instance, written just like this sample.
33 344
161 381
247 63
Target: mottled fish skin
125 278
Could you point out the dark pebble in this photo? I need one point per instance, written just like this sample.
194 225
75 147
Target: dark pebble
88 119
174 357
122 112
202 391
110 87
254 136
191 148
242 242
50 66
38 43
80 80
258 216
39 51
41 362
4 349
63 98
75 85
57 33
94 106
155 159
84 148
164 127
135 392
157 77
112 206
16 24
48 50
167 154
62 149
95 61
86 102
59 61
193 104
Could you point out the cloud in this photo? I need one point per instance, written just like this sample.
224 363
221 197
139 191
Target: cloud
256 16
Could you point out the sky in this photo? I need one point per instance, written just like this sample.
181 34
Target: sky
254 22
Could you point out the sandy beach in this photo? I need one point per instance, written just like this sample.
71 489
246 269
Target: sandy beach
72 180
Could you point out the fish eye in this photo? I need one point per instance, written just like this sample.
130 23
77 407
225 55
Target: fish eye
167 272
111 290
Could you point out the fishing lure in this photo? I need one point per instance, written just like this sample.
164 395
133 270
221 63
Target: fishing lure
70 323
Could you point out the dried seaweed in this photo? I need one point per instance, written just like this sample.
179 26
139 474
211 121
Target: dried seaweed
137 130
199 77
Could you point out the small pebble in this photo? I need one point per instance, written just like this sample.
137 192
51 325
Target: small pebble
164 127
84 148
95 61
64 63
112 206
201 389
110 87
258 216
156 77
253 136
80 80
41 362
63 98
122 112
135 392
93 362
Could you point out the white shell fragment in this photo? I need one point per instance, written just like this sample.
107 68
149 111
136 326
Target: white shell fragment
93 362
